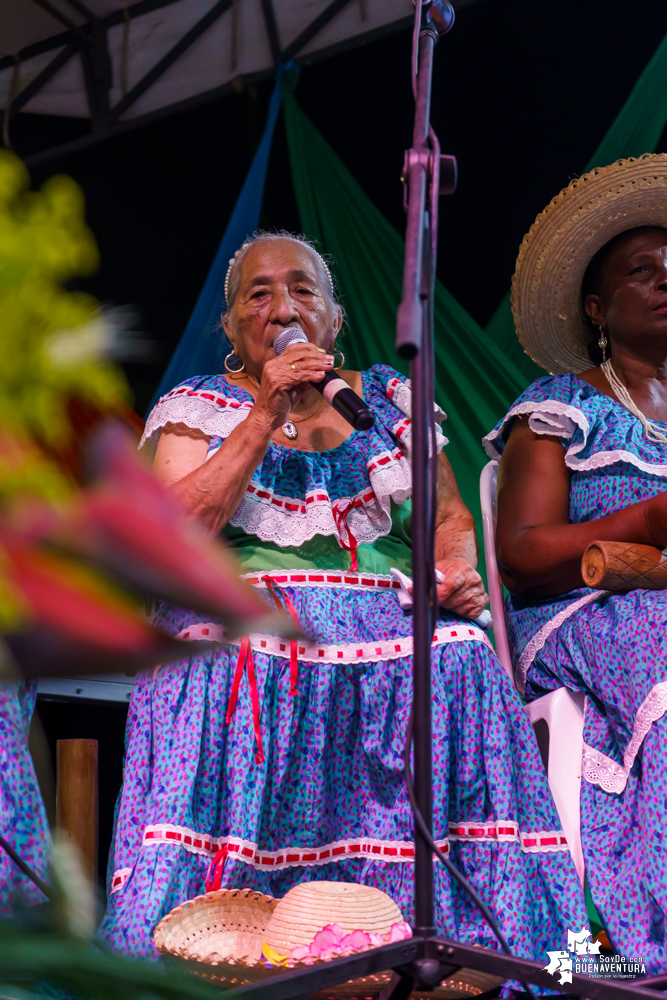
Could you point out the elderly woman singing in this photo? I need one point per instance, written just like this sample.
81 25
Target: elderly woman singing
584 457
284 760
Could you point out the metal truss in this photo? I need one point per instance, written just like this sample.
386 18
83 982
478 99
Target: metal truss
90 42
421 964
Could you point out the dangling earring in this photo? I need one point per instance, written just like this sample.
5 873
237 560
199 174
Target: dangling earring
234 371
603 343
336 350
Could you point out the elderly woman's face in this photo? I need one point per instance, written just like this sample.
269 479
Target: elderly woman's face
631 304
279 287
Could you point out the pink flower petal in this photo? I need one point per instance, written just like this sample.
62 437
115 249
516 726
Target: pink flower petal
399 932
356 940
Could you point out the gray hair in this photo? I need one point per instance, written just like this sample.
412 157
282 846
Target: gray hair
233 277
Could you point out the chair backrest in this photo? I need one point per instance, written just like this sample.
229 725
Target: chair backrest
487 496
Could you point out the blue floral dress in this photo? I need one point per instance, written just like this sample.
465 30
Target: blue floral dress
294 769
23 821
614 649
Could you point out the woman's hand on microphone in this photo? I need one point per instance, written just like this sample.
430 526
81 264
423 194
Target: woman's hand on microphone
286 377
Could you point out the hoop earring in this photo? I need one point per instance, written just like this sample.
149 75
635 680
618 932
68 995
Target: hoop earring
234 371
603 343
335 350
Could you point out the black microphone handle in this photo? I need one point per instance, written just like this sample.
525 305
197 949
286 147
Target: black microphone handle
338 394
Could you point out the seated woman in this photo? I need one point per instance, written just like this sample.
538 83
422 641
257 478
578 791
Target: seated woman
584 457
291 762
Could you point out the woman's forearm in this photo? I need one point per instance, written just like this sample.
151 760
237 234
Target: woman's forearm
212 492
455 538
545 560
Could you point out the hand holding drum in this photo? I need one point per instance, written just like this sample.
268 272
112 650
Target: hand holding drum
623 566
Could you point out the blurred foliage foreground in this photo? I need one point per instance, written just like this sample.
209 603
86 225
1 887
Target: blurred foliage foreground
86 534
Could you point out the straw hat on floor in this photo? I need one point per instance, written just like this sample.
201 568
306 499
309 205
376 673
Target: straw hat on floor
590 211
223 926
237 936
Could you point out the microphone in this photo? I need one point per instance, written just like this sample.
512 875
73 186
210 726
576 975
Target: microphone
335 390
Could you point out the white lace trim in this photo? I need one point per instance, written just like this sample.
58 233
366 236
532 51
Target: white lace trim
314 652
210 412
602 458
651 709
550 416
598 769
119 879
534 645
601 770
397 851
291 521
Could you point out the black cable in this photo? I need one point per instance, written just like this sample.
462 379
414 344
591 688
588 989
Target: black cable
26 869
453 871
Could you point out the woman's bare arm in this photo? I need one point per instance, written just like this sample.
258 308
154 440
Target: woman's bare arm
456 548
211 491
539 551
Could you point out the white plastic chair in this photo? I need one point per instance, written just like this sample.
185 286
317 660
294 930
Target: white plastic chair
558 717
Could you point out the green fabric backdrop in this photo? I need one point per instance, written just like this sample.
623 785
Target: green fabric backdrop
478 372
474 379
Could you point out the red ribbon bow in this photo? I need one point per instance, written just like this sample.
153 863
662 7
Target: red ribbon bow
341 511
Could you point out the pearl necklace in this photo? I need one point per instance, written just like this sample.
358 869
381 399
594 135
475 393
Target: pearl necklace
652 431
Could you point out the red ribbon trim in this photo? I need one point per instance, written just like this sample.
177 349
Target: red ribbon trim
216 869
341 510
245 657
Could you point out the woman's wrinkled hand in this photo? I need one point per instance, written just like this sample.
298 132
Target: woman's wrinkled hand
462 590
285 378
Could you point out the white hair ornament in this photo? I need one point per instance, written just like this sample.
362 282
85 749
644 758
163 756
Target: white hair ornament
232 261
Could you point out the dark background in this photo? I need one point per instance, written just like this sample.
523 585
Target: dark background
524 91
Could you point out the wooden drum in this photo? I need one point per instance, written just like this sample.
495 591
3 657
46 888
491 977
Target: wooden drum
623 566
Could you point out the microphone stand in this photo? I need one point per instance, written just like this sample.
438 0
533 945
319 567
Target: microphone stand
424 960
426 175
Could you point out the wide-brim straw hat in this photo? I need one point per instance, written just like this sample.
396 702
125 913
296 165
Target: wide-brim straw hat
546 289
311 906
227 926
220 936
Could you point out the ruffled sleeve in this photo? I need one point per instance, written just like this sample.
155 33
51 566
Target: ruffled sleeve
295 495
206 404
390 396
596 430
552 408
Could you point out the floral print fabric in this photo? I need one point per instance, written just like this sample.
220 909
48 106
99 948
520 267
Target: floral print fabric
329 800
615 651
23 821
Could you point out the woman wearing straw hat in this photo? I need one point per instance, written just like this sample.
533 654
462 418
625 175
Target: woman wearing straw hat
584 457
285 760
